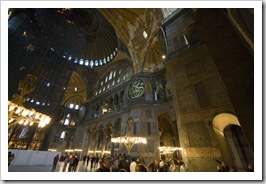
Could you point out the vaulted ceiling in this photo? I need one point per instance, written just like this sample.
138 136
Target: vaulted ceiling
130 23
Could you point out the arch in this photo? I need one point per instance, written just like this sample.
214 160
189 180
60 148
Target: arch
76 91
220 121
234 147
168 136
165 115
167 130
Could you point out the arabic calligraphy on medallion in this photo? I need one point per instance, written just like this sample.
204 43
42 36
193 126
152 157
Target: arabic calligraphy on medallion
136 88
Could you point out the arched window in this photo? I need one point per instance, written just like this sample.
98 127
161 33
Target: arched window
66 122
114 73
91 63
110 75
81 61
113 78
63 135
71 106
86 62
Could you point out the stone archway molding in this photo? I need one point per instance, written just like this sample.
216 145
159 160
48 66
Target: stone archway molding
222 120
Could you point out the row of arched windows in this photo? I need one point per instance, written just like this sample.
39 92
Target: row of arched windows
113 79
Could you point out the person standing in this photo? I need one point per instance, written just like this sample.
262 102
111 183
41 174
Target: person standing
56 158
88 160
71 163
66 161
154 166
133 165
92 161
105 165
84 159
75 163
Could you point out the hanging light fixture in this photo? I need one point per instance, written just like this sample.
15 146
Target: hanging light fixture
21 115
18 114
129 140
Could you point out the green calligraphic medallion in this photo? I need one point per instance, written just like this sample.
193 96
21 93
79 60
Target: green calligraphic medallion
136 89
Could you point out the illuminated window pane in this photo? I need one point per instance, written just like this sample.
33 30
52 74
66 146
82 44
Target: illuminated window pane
76 60
114 73
66 122
110 75
71 106
96 63
145 35
86 62
91 63
77 107
63 134
104 60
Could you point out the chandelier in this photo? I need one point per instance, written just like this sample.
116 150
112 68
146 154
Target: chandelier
18 114
23 116
129 140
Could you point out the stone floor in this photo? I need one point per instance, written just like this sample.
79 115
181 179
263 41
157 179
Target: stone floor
48 168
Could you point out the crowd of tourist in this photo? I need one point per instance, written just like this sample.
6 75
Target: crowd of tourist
125 163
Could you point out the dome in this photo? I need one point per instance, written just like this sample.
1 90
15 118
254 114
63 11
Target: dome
83 36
